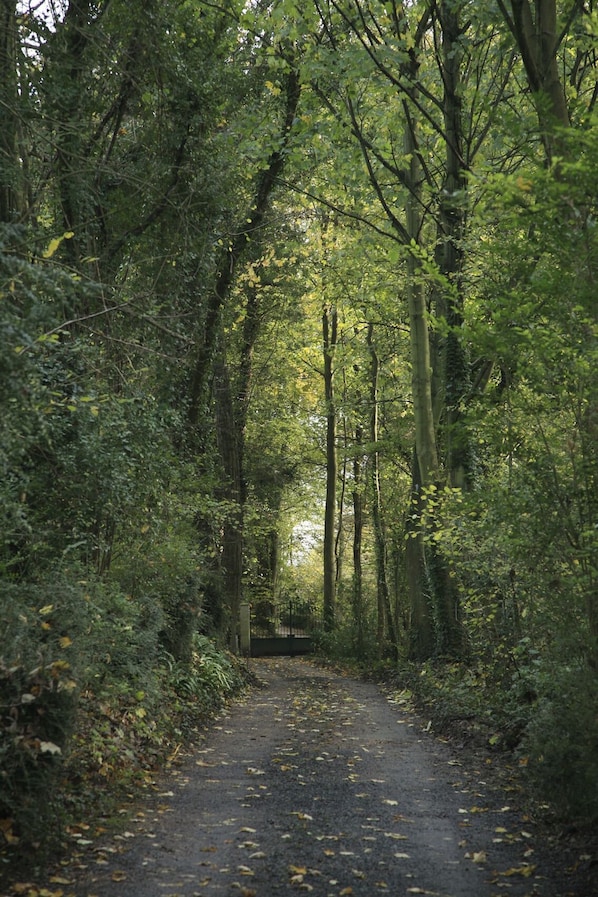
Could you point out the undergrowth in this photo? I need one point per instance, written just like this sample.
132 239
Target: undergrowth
92 708
542 715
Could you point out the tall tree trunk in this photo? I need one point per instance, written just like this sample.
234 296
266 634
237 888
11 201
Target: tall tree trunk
330 335
232 536
9 162
385 616
358 608
454 363
425 455
67 92
536 34
450 255
231 407
422 641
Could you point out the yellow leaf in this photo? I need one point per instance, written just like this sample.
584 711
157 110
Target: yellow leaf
45 610
298 870
55 243
65 642
526 871
118 875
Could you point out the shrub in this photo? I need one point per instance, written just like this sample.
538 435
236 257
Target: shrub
43 628
211 676
60 637
562 743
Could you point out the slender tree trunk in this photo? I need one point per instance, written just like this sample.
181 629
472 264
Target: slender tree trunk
450 255
358 608
9 162
454 363
330 334
537 37
68 91
232 535
425 454
422 641
421 371
385 616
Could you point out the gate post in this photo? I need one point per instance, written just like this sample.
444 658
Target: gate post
245 629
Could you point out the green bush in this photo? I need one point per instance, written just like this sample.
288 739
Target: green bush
561 743
40 674
169 582
211 676
59 638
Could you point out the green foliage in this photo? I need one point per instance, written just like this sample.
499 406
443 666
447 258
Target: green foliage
561 743
41 671
60 637
211 676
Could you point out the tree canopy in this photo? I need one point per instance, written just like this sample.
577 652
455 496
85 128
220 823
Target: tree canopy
299 299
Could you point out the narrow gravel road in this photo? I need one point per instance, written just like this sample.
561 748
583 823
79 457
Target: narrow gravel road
318 783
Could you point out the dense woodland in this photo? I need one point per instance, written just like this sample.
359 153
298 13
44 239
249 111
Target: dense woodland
298 300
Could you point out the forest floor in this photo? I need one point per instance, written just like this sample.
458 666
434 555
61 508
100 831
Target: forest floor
320 783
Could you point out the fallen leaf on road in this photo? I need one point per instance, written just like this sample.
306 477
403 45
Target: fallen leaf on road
526 871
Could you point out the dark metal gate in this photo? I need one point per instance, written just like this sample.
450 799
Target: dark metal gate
284 628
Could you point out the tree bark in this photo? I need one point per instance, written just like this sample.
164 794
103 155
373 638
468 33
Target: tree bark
330 335
232 536
537 39
9 162
358 608
450 255
425 453
385 617
421 371
422 640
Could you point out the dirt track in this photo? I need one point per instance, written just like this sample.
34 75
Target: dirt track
317 783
